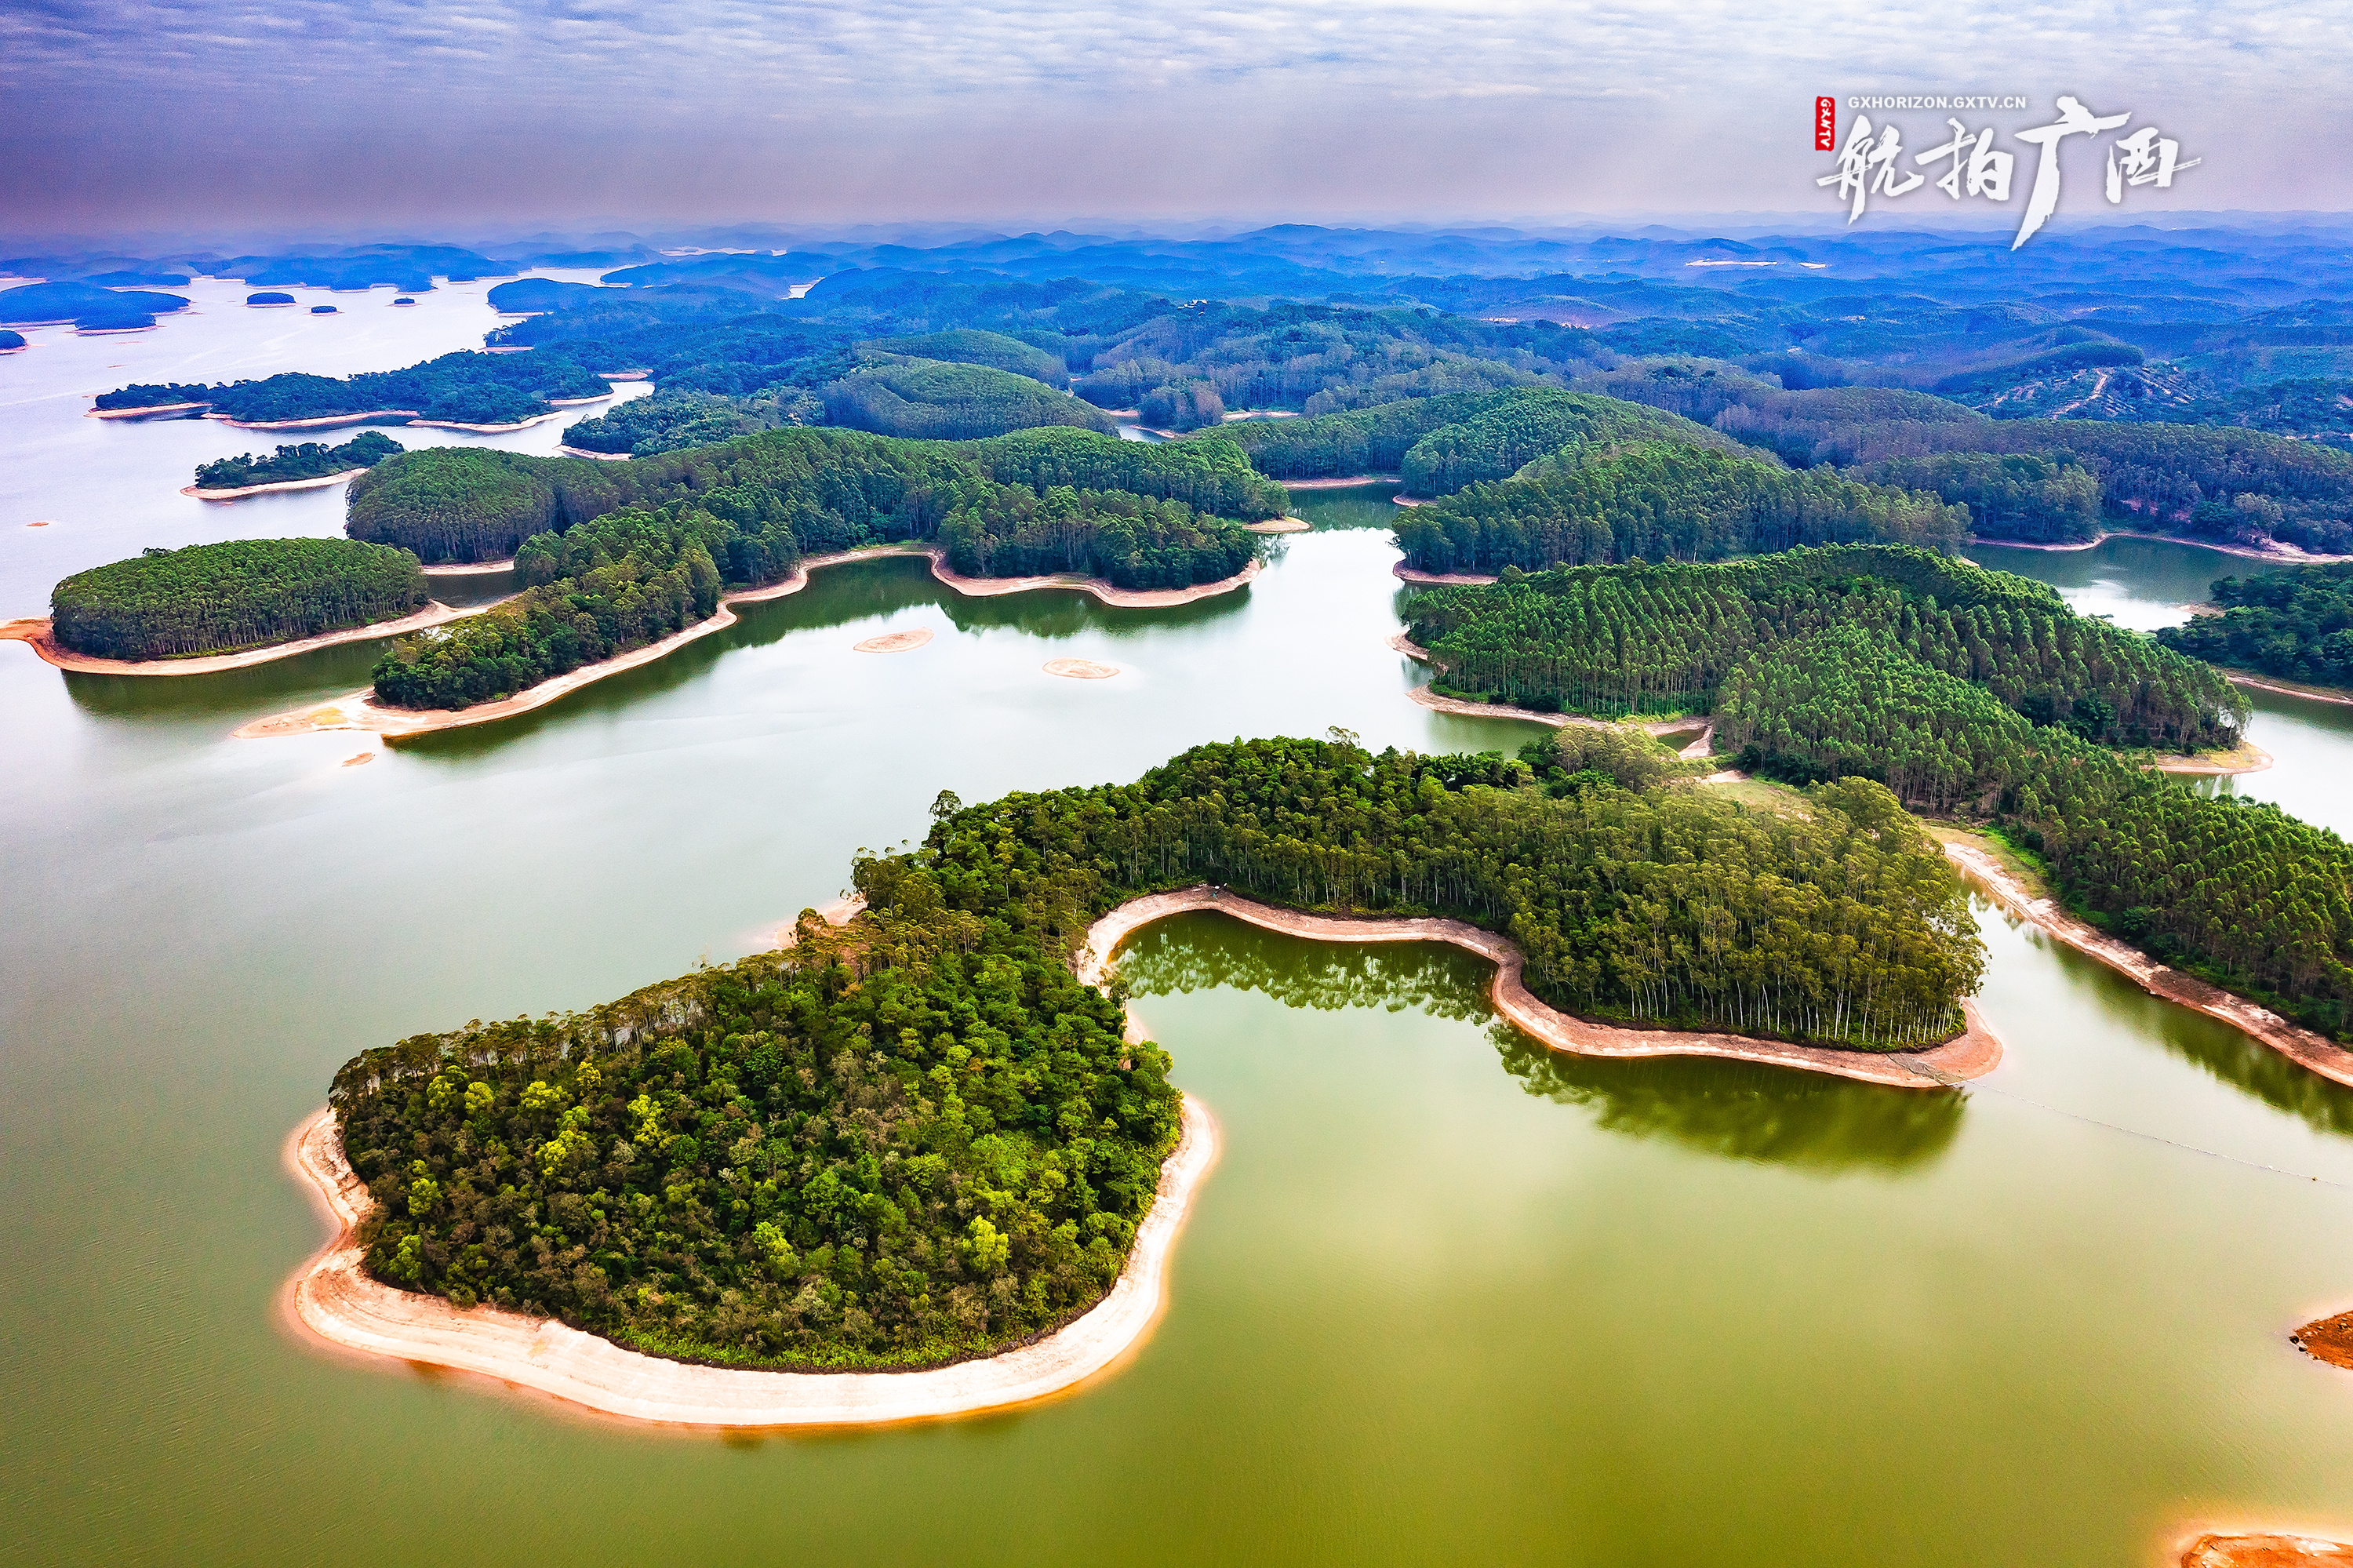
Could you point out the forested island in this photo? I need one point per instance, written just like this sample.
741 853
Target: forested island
308 460
2295 626
918 1139
213 598
466 387
40 304
1974 695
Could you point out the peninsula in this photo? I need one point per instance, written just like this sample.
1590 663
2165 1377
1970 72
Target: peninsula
920 1146
1974 695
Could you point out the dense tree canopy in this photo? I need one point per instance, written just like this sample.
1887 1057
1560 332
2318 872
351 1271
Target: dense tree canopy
1661 499
1964 691
465 388
904 1145
213 598
618 555
673 421
937 401
2295 625
1671 906
309 459
1441 444
1663 638
625 579
831 490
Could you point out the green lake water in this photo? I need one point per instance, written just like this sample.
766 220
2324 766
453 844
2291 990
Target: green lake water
1446 1298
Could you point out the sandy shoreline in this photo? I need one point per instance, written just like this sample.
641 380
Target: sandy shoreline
2298 1045
2245 757
584 452
317 482
358 711
142 413
1973 1055
2310 694
1281 526
2267 1549
325 421
470 568
334 1300
1346 482
2286 555
1439 579
493 429
34 633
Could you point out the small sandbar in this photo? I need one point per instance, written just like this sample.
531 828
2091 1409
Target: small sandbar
894 642
1281 526
2266 1552
334 1301
1346 482
1972 1055
1080 669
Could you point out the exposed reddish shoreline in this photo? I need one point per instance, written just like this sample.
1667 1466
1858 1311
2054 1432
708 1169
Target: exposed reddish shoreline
359 711
1974 1054
142 413
1440 579
325 421
2286 555
2257 683
34 633
315 483
2301 1046
332 1300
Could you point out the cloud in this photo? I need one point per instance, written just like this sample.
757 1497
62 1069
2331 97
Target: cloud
893 108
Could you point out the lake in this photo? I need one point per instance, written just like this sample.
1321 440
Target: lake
1445 1297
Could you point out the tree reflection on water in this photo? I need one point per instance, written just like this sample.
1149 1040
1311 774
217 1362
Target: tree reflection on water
1737 1110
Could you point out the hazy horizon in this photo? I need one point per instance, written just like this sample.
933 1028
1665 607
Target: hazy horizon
322 115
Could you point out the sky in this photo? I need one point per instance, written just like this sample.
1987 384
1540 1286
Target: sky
119 116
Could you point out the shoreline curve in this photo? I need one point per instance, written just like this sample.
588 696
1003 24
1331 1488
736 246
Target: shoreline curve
316 482
35 634
1974 1054
2286 555
2300 1045
331 1300
359 711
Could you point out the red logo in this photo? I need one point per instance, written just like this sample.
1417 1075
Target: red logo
1825 124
